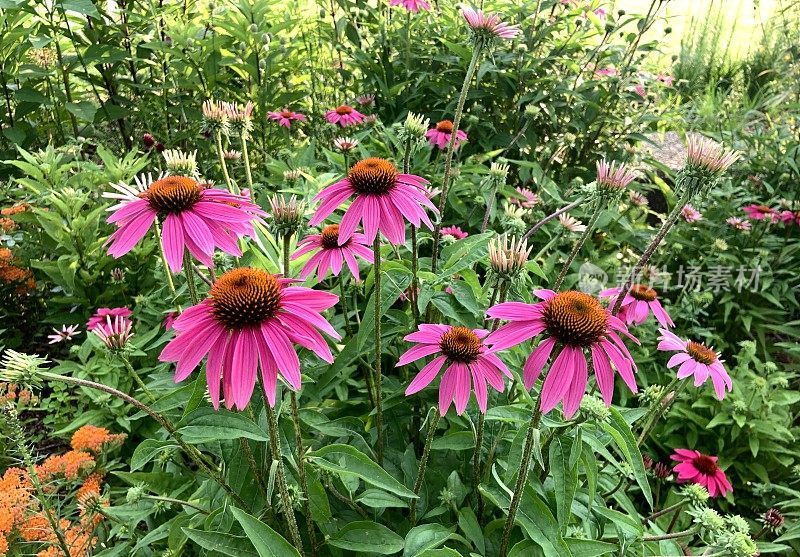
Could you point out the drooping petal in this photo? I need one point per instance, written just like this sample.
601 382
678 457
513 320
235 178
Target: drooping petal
558 379
536 362
426 375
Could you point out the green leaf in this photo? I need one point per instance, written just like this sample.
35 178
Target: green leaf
83 110
565 479
619 429
425 537
469 524
367 536
590 548
347 460
85 7
394 279
146 451
464 253
379 499
206 424
267 542
458 441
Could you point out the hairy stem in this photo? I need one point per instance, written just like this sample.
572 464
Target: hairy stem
423 464
283 489
136 377
376 249
167 271
578 245
221 155
551 216
190 285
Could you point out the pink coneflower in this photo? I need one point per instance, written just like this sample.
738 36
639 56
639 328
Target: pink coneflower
571 223
466 355
250 320
344 116
613 175
576 322
345 144
488 24
411 5
601 14
101 314
331 256
285 117
709 155
454 232
527 199
611 71
383 199
760 212
690 214
637 305
368 99
640 90
637 198
65 334
696 359
114 332
440 135
195 217
695 467
665 79
739 224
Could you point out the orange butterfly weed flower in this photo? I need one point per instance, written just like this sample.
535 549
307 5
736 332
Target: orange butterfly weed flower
93 439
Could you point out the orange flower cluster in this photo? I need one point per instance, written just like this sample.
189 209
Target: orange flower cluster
7 225
93 439
22 518
15 210
10 392
12 273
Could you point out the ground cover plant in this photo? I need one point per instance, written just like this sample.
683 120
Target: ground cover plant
396 278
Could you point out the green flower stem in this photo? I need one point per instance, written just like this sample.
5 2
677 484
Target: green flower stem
654 243
167 271
578 245
287 244
301 470
176 502
489 208
414 241
190 285
660 408
476 461
248 174
664 511
136 377
283 489
673 536
423 464
191 451
345 310
448 161
378 379
522 475
551 216
221 155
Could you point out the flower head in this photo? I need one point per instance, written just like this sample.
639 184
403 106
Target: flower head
761 212
100 315
613 176
690 214
65 334
240 118
571 223
330 256
526 199
695 467
382 198
695 358
286 216
215 117
708 155
637 305
345 144
415 125
93 439
576 323
773 519
508 258
637 198
487 26
181 162
250 320
466 356
440 135
285 117
21 368
114 333
412 6
667 80
454 232
195 217
231 155
368 99
344 116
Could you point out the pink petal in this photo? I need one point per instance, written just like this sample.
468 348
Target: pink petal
426 375
536 362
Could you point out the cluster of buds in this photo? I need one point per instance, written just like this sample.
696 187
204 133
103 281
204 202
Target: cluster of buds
594 409
45 58
149 143
21 369
414 128
181 162
115 333
696 494
287 216
293 175
706 161
508 258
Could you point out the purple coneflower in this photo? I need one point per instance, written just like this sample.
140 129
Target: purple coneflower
695 358
344 116
488 24
330 254
690 214
439 136
65 334
411 5
285 117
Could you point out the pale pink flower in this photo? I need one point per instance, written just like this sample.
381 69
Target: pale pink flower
527 199
250 320
614 175
330 255
368 99
665 79
345 144
576 323
695 358
571 223
344 116
383 199
488 23
690 214
739 224
637 198
411 5
640 90
65 334
469 363
695 467
709 155
611 71
454 232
